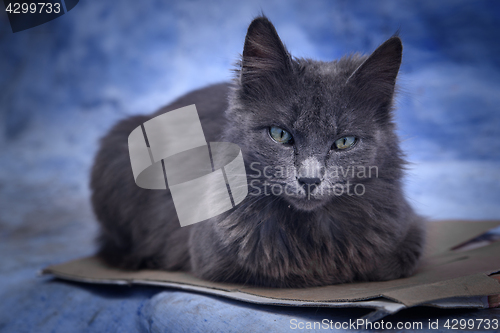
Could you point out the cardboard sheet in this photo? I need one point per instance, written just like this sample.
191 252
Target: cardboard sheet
446 278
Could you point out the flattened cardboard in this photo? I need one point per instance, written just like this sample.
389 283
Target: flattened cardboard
445 278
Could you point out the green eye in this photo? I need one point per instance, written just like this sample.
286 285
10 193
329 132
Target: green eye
345 142
280 135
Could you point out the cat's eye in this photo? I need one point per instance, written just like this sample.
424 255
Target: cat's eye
280 135
345 142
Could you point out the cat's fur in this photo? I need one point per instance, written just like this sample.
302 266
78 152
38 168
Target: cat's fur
307 238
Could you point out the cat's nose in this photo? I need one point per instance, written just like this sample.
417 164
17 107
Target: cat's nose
309 181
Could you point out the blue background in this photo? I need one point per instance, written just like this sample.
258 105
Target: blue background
64 83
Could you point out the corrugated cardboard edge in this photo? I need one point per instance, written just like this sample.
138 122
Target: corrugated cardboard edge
381 307
398 294
232 294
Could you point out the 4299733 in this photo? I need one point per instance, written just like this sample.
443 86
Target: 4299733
40 7
471 324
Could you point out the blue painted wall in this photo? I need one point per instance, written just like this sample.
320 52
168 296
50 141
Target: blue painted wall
65 82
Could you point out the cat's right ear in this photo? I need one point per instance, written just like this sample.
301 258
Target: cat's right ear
375 78
263 54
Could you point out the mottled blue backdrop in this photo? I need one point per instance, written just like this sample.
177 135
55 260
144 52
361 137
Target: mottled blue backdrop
64 83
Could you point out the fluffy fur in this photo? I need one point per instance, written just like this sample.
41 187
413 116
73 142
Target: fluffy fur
307 236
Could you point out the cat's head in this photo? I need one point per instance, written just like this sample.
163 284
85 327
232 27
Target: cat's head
310 131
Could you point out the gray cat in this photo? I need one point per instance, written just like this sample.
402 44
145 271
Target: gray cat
324 168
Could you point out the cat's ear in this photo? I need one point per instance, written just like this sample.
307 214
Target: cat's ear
375 78
264 53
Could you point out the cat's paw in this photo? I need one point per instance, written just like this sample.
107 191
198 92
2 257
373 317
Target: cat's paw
405 258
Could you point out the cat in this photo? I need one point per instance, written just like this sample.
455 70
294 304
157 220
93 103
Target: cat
310 133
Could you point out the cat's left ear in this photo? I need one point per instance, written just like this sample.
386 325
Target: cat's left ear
264 54
375 78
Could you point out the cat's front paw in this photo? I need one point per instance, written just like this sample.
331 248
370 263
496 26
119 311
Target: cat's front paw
405 258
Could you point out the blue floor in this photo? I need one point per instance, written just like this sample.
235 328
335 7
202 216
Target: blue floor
64 83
